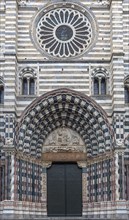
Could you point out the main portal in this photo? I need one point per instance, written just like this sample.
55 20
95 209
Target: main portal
64 190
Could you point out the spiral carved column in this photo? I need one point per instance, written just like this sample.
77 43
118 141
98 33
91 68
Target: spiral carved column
116 176
123 176
12 177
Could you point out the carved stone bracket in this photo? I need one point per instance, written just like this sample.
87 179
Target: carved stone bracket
47 164
82 164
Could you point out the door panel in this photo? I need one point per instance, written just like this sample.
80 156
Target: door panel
56 190
64 192
73 190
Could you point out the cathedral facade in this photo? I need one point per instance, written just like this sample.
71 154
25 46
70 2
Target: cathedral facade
64 109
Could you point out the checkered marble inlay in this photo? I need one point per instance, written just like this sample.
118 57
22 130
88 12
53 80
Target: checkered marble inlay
67 108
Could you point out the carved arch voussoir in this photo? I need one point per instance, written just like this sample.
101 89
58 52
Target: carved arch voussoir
64 107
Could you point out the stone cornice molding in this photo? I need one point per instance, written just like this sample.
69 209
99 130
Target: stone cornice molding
28 158
100 158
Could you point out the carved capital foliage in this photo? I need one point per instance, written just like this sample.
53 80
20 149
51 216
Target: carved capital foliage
120 145
9 147
9 141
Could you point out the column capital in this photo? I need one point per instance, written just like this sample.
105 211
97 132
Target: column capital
119 146
9 147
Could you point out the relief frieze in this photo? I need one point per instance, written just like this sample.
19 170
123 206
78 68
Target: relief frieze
64 140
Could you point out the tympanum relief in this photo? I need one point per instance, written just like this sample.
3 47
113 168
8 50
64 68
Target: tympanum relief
64 140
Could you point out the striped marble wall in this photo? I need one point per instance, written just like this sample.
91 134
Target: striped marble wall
17 51
27 51
100 181
18 177
126 36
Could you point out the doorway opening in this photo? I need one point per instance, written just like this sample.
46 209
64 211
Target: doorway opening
64 190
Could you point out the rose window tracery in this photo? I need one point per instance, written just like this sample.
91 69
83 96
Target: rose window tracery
65 31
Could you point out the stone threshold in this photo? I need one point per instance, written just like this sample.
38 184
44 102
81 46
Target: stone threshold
59 218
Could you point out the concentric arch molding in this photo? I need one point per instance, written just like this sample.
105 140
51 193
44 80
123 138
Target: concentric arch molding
64 109
64 30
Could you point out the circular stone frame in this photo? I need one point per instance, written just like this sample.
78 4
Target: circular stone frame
84 12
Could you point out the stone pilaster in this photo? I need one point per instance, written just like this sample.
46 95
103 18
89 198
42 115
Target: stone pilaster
45 165
119 175
10 54
9 150
117 56
123 176
127 181
12 175
83 165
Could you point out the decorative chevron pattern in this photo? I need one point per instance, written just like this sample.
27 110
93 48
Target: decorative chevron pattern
66 108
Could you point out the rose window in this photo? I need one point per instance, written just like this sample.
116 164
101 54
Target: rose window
64 32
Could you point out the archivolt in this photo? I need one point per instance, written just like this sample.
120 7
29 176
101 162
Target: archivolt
64 107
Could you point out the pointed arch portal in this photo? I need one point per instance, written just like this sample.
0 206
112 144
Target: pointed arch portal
68 108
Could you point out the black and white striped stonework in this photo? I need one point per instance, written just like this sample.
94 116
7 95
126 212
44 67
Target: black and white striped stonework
18 52
126 36
64 97
67 108
26 50
50 76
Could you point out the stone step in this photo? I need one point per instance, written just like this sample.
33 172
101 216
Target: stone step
71 219
67 218
58 218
